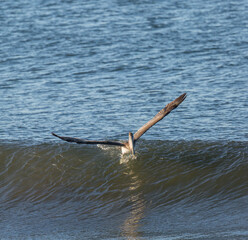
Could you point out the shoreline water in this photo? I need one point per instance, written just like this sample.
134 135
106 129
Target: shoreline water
62 190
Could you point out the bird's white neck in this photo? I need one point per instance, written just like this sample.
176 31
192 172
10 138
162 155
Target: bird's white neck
129 146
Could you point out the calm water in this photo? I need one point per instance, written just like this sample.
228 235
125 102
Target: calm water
98 70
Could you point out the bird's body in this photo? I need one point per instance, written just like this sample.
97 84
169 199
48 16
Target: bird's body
128 146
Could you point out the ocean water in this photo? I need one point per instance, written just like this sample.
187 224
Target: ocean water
98 70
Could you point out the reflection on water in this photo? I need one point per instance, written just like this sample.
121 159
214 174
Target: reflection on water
125 158
130 227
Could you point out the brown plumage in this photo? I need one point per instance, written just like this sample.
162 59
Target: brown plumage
128 146
159 116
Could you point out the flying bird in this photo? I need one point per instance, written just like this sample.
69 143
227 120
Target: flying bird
128 146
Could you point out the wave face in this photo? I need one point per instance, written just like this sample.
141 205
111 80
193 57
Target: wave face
205 182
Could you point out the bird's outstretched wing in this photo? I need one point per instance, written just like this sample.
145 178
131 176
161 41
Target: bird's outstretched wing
82 141
165 111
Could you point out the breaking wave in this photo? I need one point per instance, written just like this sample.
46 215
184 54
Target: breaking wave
163 173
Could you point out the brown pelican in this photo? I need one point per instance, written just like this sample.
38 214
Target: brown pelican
128 146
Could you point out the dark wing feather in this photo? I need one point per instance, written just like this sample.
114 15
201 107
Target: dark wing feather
165 111
82 141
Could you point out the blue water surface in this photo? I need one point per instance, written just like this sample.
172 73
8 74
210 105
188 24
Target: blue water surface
100 70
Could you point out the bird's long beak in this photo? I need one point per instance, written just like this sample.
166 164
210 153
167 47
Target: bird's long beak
131 143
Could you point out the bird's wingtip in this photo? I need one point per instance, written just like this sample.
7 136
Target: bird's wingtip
180 99
174 104
184 96
55 135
